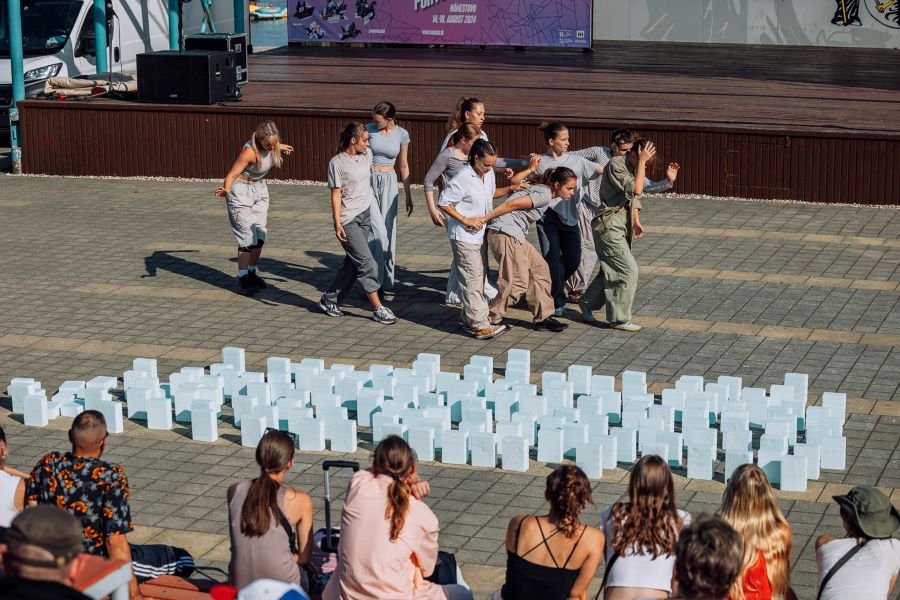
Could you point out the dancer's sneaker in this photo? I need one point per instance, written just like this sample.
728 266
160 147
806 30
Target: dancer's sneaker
330 308
587 315
629 327
246 285
550 324
559 312
257 280
489 333
384 315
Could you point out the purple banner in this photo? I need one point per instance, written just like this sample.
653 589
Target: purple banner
548 23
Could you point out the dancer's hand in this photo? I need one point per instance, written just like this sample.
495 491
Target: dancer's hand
287 149
340 233
508 173
638 229
647 152
473 223
409 205
534 162
221 192
672 172
437 217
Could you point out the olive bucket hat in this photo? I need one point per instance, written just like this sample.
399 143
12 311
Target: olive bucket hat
871 510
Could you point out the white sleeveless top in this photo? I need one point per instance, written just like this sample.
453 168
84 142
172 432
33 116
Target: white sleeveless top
8 485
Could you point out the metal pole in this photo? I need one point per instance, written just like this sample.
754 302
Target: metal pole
100 35
174 41
18 80
240 16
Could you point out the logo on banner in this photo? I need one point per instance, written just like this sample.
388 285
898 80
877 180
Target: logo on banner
886 12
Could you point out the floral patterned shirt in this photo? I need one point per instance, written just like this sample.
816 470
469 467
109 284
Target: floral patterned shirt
93 490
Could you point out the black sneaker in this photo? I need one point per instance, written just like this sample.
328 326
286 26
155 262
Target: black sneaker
260 283
246 285
550 324
330 308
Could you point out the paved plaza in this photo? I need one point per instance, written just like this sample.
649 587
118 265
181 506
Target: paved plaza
100 272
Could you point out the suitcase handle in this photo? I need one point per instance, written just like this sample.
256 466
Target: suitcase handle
340 464
328 544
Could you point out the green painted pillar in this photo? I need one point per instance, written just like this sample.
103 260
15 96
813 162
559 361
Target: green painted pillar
18 80
174 38
240 16
100 35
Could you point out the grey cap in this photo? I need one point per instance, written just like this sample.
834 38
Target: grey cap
49 528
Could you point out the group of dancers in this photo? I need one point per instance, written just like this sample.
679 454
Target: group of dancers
585 205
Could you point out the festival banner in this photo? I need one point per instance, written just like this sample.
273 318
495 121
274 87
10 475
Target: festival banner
547 23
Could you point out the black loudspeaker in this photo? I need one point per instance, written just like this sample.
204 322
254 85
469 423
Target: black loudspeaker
195 77
222 42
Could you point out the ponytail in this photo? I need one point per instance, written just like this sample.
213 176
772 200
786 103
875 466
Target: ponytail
458 117
398 505
551 130
273 455
352 130
559 176
395 458
480 149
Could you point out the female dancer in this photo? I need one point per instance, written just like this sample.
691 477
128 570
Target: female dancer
641 534
558 233
750 507
247 199
349 177
471 110
560 563
522 270
389 144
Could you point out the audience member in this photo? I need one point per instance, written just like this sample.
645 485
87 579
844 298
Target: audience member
641 534
43 556
865 562
261 589
389 537
562 554
12 489
97 493
270 524
750 507
707 561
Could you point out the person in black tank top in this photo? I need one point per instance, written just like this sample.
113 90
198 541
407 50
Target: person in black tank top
553 557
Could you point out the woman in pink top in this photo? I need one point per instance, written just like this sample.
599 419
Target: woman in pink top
389 537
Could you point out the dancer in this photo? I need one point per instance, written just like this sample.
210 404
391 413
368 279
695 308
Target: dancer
619 144
247 199
471 110
389 144
750 507
558 233
521 268
467 199
617 222
349 177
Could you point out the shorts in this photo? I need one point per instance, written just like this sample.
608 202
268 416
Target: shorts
248 211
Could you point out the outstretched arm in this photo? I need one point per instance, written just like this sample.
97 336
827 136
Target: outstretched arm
521 203
245 158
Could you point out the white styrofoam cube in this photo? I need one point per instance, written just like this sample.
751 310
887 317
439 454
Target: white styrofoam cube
550 445
654 449
536 405
610 404
95 395
757 402
687 383
235 357
794 473
268 413
137 399
72 409
260 390
412 417
204 424
570 414
484 449
837 402
505 404
648 430
626 443
312 435
675 444
736 458
609 446
519 355
770 462
574 434
524 388
633 413
598 426
589 405
666 413
103 382
242 405
700 462
379 421
406 393
590 458
515 453
508 429
580 377
552 422
674 398
421 440
834 453
36 410
252 430
702 437
774 442
454 447
332 418
439 413
289 417
812 452
635 379
159 413
529 425
737 441
343 437
602 383
800 383
368 402
77 387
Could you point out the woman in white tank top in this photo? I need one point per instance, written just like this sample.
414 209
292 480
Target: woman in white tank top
12 487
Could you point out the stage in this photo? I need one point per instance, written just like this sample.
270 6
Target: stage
816 124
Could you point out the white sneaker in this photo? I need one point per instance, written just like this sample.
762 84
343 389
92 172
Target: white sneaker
629 327
384 315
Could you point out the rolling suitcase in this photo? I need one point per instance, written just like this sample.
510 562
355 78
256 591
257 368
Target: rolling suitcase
326 540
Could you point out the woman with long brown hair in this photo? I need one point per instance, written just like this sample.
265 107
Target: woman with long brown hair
389 537
247 199
270 524
553 556
641 534
750 507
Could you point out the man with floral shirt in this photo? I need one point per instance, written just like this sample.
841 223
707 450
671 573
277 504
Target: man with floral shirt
97 493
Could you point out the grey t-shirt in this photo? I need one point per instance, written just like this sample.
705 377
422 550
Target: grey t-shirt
518 222
446 166
255 171
584 169
353 174
386 148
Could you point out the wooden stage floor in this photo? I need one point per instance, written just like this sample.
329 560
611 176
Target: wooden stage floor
816 124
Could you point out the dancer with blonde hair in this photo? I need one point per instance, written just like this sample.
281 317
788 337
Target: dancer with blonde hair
641 534
247 199
750 507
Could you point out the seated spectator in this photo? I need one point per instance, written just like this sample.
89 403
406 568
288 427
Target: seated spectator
270 524
553 557
750 507
708 560
12 489
97 493
864 563
43 556
641 534
389 537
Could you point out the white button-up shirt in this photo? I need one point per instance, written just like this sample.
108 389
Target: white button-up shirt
471 196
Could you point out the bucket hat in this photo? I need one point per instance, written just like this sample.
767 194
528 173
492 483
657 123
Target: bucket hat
871 511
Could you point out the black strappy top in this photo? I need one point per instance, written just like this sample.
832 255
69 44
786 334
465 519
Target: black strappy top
529 581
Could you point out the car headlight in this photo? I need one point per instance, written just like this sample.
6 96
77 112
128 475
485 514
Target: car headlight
42 72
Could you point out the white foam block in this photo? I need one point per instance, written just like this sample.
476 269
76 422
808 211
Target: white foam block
529 425
484 450
737 441
813 455
574 435
736 458
794 473
590 458
550 445
515 453
675 444
421 440
235 357
252 430
580 377
654 449
159 413
343 437
204 425
36 410
700 462
626 443
312 435
379 421
834 453
454 447
770 462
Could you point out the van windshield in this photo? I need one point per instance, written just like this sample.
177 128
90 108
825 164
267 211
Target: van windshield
46 25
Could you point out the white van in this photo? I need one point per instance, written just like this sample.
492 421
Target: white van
58 37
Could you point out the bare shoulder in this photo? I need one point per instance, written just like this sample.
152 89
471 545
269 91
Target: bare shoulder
297 497
824 539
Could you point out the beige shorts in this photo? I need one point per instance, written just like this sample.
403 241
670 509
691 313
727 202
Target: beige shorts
248 211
